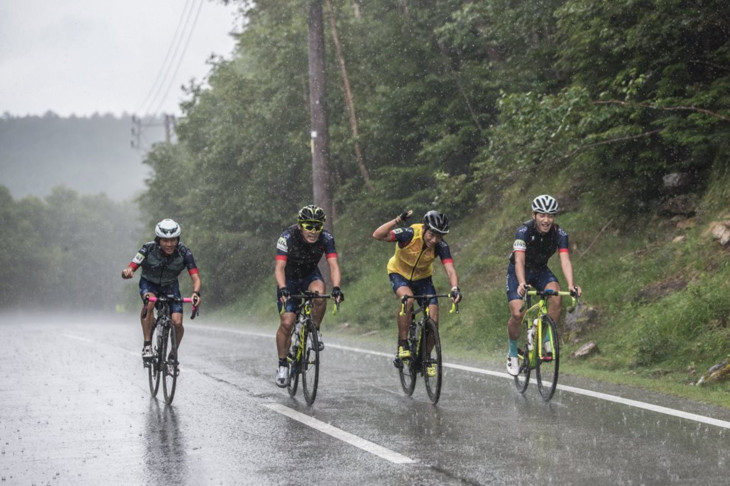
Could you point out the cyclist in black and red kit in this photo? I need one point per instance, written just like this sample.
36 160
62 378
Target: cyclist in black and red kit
298 252
535 242
162 260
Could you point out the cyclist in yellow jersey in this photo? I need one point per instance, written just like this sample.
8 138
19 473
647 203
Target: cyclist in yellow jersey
411 267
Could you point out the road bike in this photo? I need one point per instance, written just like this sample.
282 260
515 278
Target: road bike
164 361
303 357
425 345
538 346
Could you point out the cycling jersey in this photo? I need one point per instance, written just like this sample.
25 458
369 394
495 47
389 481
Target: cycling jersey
301 257
412 259
160 268
538 247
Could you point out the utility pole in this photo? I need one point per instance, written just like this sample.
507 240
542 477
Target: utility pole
318 112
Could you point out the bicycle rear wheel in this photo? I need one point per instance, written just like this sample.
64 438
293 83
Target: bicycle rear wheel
154 367
310 363
523 357
432 357
170 367
548 362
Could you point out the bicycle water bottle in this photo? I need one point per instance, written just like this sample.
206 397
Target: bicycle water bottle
531 335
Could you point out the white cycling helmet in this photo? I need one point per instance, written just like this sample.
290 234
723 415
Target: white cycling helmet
167 228
545 204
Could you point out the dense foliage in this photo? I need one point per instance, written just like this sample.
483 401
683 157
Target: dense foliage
453 100
66 251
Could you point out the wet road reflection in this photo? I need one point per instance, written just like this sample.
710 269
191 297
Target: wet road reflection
76 409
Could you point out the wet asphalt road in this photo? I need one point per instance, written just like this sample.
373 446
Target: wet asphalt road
76 409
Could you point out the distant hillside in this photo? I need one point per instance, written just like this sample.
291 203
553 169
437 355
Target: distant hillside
89 155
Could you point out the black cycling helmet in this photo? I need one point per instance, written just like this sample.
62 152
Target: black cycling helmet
545 204
311 213
436 222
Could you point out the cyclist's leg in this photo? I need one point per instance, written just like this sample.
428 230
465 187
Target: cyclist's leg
514 302
401 288
319 306
545 279
176 316
147 289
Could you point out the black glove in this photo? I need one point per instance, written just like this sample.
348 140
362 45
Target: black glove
404 216
283 292
338 295
455 294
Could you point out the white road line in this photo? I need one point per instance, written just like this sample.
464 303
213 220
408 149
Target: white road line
571 389
340 434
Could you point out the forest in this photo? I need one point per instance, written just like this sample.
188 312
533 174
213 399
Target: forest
473 107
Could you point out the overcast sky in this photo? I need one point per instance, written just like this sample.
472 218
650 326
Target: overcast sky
106 56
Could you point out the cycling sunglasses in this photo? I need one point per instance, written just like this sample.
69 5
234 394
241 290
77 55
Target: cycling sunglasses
312 227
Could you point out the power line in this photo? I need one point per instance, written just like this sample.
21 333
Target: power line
167 63
181 58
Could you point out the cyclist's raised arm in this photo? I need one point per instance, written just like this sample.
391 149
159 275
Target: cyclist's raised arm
383 232
520 272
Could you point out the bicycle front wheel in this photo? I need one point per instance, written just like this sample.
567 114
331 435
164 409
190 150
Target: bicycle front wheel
310 363
170 368
548 360
431 359
154 367
523 357
294 366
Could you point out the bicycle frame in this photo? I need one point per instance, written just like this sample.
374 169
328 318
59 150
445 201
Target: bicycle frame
537 332
163 329
425 345
304 358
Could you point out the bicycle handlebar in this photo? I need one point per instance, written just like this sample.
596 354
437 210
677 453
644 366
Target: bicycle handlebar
404 300
307 295
167 298
551 293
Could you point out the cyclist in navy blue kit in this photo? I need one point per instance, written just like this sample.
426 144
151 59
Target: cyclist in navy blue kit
298 252
535 242
162 260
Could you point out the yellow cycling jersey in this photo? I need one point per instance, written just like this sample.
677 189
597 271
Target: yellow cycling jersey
414 261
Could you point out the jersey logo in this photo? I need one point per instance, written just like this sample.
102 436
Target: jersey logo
519 245
281 244
138 258
398 231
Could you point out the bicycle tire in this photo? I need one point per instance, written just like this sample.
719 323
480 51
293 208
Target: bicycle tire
170 368
407 369
432 340
523 378
546 369
294 366
309 363
154 367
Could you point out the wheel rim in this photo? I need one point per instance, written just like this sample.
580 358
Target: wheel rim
310 364
546 369
153 369
433 383
169 369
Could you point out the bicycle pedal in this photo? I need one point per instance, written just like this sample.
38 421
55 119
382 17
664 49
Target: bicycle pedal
398 363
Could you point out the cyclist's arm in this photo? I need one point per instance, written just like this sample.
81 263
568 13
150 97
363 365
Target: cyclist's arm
197 285
520 271
279 274
334 270
567 267
383 233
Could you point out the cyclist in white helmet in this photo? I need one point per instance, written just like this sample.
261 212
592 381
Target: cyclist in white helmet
162 260
535 242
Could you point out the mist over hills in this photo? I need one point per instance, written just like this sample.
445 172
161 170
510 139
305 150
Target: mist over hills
90 155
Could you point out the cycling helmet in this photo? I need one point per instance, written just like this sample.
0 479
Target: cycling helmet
545 204
167 228
311 213
436 222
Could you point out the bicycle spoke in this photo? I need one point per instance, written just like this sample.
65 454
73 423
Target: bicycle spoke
310 364
432 370
523 356
548 363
